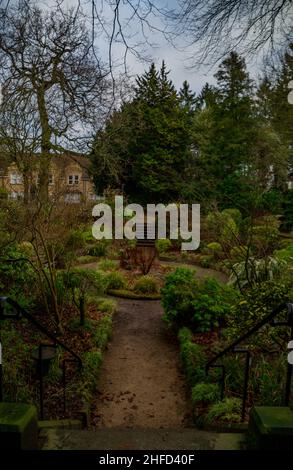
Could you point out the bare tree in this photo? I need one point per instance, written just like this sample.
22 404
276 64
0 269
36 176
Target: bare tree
216 28
47 62
20 140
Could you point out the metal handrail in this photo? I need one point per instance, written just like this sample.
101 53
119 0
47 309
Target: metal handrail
269 319
21 312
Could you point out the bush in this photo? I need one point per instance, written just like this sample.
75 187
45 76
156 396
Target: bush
206 261
163 245
75 240
192 357
107 306
17 275
226 411
205 393
222 227
215 248
239 253
146 285
103 332
99 249
196 303
115 280
286 254
92 361
107 265
265 235
255 304
235 214
254 271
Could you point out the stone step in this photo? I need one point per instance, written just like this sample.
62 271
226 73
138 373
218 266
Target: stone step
140 439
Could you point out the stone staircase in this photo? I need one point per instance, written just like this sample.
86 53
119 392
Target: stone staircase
138 439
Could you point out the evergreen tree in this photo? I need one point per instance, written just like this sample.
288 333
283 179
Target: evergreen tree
147 143
187 98
226 149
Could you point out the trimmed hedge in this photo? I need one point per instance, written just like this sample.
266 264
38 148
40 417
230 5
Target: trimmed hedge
129 294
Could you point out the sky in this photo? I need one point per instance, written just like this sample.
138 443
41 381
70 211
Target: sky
153 45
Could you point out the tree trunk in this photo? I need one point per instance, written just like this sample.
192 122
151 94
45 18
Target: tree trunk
26 188
45 157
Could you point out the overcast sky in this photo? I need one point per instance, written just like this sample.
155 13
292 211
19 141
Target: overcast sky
158 48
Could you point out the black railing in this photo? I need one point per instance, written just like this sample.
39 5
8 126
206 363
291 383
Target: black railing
232 348
19 312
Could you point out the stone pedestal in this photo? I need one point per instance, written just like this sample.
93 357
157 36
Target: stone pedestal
18 426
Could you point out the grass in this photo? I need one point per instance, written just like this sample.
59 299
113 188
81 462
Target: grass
129 294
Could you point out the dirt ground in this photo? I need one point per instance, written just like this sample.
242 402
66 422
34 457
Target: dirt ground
141 384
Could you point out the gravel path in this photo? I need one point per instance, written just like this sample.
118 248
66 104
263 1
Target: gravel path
141 384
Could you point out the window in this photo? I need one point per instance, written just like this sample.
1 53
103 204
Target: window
95 197
16 195
73 179
15 178
72 197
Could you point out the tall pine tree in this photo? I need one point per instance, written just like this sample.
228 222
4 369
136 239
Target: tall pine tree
150 146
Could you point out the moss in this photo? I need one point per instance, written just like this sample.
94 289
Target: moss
15 417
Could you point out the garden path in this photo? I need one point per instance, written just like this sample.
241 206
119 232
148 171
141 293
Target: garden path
141 384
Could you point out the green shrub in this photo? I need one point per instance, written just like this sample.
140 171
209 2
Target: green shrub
205 393
235 214
107 265
92 361
192 357
107 306
285 254
15 384
81 282
115 280
215 248
265 235
17 275
163 245
185 335
254 271
288 211
206 261
75 240
103 332
192 302
226 411
239 253
146 285
3 193
268 378
221 226
99 249
254 305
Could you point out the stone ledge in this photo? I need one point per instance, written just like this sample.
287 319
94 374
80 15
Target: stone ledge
18 426
271 428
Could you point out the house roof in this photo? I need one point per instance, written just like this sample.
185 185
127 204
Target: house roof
62 161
